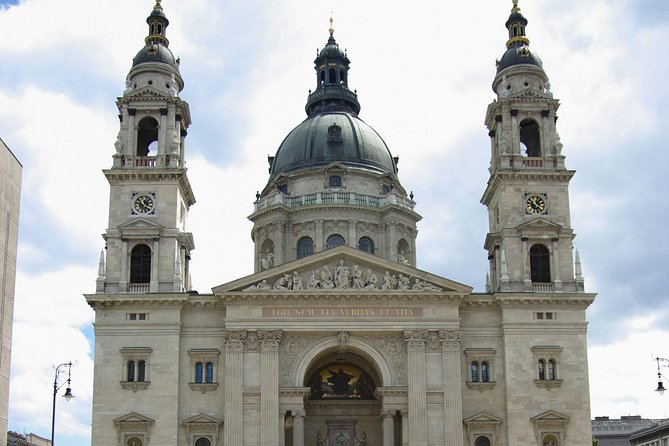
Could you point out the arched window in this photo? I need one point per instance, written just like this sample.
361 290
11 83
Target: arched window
209 378
484 372
334 240
305 247
475 371
141 371
332 76
530 138
198 372
482 441
147 136
549 440
541 366
131 371
551 369
134 441
366 244
203 442
540 266
140 264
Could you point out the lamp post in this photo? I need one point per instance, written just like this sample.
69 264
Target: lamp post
67 395
660 387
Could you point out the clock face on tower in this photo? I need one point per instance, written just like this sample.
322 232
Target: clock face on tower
535 204
143 204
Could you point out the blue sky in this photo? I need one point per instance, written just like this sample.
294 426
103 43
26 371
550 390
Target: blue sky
423 75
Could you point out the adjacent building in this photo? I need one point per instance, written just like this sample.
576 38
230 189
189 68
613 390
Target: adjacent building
337 339
617 432
657 435
10 200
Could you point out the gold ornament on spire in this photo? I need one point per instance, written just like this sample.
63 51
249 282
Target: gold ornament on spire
331 24
158 5
515 6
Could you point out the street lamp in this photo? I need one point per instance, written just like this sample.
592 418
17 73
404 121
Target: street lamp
67 395
660 387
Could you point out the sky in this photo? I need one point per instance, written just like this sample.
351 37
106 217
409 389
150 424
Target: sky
423 72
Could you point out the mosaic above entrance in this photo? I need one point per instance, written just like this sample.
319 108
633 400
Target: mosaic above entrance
341 381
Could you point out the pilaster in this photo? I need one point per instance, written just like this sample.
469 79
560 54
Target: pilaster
234 368
269 387
452 386
417 386
388 429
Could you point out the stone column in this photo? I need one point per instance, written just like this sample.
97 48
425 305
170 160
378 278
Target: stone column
405 428
298 428
417 386
155 266
269 387
388 429
280 253
162 133
352 234
452 386
124 273
546 148
319 243
556 264
282 428
525 267
515 133
393 241
132 134
234 371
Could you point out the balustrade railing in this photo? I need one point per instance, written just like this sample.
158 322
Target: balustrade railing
543 287
136 288
328 198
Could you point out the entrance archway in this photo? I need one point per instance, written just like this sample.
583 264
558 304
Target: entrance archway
342 408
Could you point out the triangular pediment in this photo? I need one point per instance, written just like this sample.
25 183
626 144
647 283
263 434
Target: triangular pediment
140 227
146 92
550 416
539 223
343 269
139 223
483 418
133 417
201 419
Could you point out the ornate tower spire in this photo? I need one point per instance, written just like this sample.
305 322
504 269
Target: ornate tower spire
332 93
530 240
150 191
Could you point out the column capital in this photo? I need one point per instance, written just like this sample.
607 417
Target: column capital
415 339
269 339
387 414
298 413
234 340
450 339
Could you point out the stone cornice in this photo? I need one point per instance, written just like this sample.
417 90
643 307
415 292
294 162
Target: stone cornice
523 175
124 175
144 299
577 300
334 297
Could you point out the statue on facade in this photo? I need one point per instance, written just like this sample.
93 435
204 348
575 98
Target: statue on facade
326 279
401 258
403 282
370 280
297 281
342 274
267 261
119 144
314 281
358 281
386 285
557 144
284 283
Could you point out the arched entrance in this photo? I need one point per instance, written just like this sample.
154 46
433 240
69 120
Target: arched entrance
342 409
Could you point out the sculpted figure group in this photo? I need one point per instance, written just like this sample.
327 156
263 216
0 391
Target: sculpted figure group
345 277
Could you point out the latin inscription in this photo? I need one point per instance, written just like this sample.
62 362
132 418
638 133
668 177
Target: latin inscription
349 312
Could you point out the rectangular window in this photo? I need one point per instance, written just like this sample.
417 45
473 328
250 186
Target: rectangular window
540 315
549 315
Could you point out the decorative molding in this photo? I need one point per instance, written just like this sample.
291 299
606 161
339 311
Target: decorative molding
416 339
203 387
234 340
481 386
135 385
451 339
548 384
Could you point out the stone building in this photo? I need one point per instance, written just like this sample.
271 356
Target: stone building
612 432
10 200
337 339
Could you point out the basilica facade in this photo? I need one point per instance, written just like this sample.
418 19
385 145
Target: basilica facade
337 339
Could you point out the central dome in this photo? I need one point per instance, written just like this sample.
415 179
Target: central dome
336 136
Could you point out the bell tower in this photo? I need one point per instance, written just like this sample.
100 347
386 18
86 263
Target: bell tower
147 246
530 236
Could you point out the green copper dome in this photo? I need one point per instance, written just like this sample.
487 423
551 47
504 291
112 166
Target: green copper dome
337 136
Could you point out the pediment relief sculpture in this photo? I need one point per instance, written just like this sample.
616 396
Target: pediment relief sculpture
343 276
